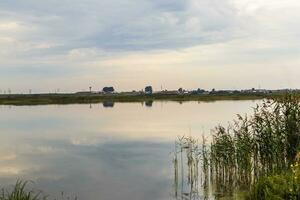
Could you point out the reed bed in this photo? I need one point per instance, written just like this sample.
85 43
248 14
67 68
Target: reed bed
264 144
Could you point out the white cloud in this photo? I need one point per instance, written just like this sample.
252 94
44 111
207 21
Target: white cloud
110 39
4 26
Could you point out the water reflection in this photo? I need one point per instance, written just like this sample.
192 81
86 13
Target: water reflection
149 103
99 153
90 171
108 104
188 179
196 177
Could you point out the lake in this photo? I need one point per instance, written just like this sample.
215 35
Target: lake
104 151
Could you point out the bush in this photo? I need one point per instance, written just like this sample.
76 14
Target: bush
278 187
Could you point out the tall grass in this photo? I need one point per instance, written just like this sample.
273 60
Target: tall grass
261 145
186 167
285 185
21 191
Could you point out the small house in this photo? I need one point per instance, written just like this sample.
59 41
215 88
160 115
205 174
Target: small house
180 91
108 89
148 90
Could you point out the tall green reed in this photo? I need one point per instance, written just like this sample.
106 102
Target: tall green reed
262 144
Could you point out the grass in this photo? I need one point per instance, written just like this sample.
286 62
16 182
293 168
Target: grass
284 186
254 153
263 144
44 99
21 191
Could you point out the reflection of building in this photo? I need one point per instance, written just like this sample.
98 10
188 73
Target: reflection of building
108 89
148 90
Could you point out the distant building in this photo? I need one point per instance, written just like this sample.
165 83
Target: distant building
197 92
180 91
108 89
148 90
200 91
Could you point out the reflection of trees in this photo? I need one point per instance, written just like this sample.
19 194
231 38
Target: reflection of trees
108 104
149 103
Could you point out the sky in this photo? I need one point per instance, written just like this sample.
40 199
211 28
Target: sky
73 44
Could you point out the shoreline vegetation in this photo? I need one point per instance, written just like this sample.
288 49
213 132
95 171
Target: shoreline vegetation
88 98
258 155
22 191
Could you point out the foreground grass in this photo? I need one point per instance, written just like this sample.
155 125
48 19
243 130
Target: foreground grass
284 186
21 191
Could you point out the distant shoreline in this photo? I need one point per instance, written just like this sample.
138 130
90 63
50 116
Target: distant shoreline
88 98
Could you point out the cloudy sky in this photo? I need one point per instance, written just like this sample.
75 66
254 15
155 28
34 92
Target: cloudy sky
74 44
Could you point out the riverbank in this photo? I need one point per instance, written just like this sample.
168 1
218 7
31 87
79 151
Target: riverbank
74 98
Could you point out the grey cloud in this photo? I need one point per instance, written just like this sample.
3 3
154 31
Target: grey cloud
123 25
50 30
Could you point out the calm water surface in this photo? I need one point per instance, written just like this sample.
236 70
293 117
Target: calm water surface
103 152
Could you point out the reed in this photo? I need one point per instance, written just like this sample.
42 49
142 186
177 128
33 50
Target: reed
21 191
263 144
186 168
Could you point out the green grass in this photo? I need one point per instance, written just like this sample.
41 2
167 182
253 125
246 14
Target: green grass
255 152
44 99
21 191
284 186
264 143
